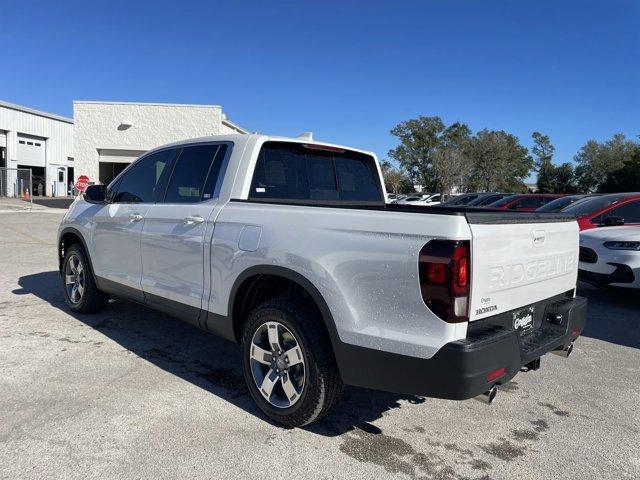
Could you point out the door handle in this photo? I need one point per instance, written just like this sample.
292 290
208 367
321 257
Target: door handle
135 217
193 219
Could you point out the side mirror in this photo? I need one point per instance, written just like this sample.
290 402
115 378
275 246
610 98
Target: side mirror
95 194
613 221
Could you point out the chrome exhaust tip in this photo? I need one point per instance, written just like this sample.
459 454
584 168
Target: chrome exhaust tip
564 351
488 396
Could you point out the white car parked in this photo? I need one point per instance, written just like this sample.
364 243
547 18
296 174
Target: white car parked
610 256
422 199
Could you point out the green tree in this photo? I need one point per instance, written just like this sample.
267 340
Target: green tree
393 177
543 162
406 186
498 162
624 179
432 153
451 160
419 140
563 180
588 166
596 160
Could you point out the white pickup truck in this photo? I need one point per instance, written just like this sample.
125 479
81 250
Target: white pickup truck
286 246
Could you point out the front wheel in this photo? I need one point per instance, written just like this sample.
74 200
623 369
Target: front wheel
80 291
288 363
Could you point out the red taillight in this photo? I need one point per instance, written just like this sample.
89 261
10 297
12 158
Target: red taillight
496 374
445 277
437 273
460 269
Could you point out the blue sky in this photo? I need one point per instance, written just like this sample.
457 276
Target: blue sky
349 71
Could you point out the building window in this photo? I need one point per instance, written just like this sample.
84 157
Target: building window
22 142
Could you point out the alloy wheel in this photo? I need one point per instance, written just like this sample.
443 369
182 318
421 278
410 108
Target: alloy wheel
74 279
277 364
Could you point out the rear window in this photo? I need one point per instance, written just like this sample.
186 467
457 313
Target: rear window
528 202
593 205
503 202
462 199
292 171
558 204
490 199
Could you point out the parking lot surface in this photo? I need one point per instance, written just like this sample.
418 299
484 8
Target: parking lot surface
131 393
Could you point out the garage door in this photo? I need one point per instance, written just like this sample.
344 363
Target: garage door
119 156
31 151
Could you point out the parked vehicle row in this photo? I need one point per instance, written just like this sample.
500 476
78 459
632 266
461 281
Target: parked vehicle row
420 199
609 210
610 257
591 210
476 199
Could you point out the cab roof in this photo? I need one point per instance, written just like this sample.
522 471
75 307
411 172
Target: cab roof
242 139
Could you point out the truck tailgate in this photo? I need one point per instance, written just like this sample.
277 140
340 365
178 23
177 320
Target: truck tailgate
520 259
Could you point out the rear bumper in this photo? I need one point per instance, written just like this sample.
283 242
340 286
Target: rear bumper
459 369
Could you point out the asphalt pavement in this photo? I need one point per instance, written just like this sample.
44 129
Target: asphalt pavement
130 393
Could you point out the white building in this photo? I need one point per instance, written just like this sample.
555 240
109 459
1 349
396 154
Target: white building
110 135
40 141
99 142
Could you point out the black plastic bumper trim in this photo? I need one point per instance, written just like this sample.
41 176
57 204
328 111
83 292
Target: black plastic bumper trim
459 369
622 274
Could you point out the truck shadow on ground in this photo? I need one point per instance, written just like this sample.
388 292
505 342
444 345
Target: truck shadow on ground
204 360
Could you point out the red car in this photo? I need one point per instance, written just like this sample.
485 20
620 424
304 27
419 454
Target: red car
607 210
526 202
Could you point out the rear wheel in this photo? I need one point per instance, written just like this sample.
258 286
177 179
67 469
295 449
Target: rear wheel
288 363
79 287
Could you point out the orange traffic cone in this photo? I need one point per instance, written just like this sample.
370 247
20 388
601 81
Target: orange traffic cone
25 195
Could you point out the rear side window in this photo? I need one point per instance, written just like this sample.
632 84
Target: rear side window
462 200
291 171
503 202
145 180
593 204
196 174
488 200
629 212
528 202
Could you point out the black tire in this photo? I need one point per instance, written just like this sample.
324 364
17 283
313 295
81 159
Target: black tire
322 385
91 299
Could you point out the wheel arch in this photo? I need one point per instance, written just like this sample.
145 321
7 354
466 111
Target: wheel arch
246 282
70 236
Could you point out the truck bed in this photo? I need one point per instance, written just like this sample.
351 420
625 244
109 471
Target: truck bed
474 215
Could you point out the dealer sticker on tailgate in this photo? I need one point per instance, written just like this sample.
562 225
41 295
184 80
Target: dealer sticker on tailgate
523 320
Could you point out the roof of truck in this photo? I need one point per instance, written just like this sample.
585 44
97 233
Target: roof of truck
243 139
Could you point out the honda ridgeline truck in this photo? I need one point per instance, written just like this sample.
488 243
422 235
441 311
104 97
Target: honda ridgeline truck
286 246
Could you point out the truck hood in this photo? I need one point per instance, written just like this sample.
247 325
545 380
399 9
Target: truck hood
611 233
